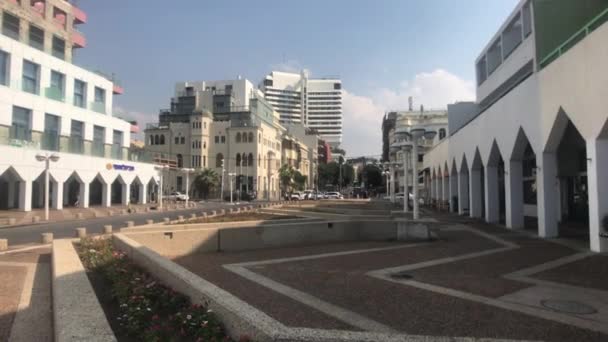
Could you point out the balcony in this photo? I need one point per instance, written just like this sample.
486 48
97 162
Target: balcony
38 7
117 89
98 149
80 17
54 93
116 151
19 136
50 141
99 107
60 18
76 145
78 39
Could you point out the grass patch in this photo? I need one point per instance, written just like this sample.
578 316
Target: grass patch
249 216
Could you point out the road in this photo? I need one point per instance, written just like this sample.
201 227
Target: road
22 235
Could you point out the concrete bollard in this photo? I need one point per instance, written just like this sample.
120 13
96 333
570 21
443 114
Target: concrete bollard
167 220
192 216
130 224
223 211
79 216
3 244
36 219
110 213
12 221
231 210
147 209
107 229
204 215
81 232
149 221
123 211
214 213
180 217
47 238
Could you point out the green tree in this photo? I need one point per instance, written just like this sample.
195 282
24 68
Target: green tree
348 175
205 182
299 180
286 174
372 176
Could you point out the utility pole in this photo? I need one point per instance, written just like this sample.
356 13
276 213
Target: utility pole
222 186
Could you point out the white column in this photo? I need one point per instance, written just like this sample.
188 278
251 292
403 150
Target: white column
431 193
445 189
84 195
25 195
406 192
437 191
11 193
514 195
597 166
475 193
463 192
126 194
58 195
106 195
143 194
453 180
492 195
548 196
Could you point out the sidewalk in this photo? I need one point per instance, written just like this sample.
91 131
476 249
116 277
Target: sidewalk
25 295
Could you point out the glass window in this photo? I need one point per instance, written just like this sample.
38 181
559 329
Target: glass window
10 25
21 124
223 139
51 133
58 47
176 140
527 21
512 36
182 140
217 139
80 93
31 77
117 138
77 129
494 56
4 68
57 85
36 37
100 95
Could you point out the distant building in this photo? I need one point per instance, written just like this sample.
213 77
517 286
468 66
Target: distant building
324 152
314 102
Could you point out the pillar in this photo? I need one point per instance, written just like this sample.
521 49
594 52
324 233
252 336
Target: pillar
514 195
40 199
25 195
454 193
463 192
11 193
58 195
84 194
431 193
548 196
446 191
597 164
126 194
143 194
492 195
106 195
475 199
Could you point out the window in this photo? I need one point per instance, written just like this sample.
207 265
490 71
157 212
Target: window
527 19
31 77
20 129
58 47
4 68
76 142
204 125
223 139
180 160
219 158
100 95
36 38
228 88
156 140
162 139
57 88
420 158
183 140
10 25
151 140
50 140
80 93
179 180
337 86
204 161
217 139
204 144
512 36
99 138
494 56
268 83
441 133
117 144
238 159
238 137
250 136
250 159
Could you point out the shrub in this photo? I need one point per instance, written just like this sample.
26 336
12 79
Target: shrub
148 310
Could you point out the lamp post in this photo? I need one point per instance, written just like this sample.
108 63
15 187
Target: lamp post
230 175
418 132
187 171
47 159
222 185
160 168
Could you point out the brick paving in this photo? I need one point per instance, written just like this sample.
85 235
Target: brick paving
591 272
10 286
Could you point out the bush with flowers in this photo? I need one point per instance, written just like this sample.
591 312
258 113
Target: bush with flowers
146 310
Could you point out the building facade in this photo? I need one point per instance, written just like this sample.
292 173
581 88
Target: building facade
533 151
227 126
51 106
314 102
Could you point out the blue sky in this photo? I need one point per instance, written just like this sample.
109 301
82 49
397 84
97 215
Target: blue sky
384 50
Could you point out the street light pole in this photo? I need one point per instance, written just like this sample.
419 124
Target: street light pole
160 168
187 171
47 159
222 185
230 175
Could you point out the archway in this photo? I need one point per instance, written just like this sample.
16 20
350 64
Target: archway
74 192
463 187
495 186
117 191
520 183
454 198
476 186
10 189
96 191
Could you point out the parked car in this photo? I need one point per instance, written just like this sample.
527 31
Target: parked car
311 195
334 195
297 196
178 196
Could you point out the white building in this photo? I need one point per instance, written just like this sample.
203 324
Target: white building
314 102
533 153
50 106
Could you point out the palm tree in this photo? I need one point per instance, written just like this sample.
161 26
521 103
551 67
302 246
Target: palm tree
206 181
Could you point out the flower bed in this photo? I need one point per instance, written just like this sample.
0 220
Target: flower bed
137 306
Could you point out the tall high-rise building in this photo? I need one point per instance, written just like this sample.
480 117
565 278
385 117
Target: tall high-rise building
314 102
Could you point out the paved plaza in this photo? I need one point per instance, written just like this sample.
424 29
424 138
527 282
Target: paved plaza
475 280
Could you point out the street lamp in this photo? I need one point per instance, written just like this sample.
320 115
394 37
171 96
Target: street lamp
161 168
405 148
417 133
230 175
47 159
187 171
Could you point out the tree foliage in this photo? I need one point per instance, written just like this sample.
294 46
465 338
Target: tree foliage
371 175
205 182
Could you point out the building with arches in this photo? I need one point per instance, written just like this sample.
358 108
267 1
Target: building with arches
532 151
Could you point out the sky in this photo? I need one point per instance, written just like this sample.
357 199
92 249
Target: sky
383 50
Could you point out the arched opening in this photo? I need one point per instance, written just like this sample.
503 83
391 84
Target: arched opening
180 160
156 140
96 191
495 186
136 191
152 189
476 186
250 159
520 180
73 191
238 159
454 202
238 137
9 189
162 139
151 140
117 191
463 187
250 137
441 133
218 160
244 161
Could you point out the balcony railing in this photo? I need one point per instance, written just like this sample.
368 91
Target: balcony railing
575 38
78 39
76 145
116 152
50 141
99 107
19 136
98 149
54 93
80 17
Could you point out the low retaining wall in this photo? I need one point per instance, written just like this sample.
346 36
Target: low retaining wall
77 314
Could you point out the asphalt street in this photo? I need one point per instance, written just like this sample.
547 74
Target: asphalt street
21 235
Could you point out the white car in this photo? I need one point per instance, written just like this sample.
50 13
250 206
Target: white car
178 196
334 195
296 196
